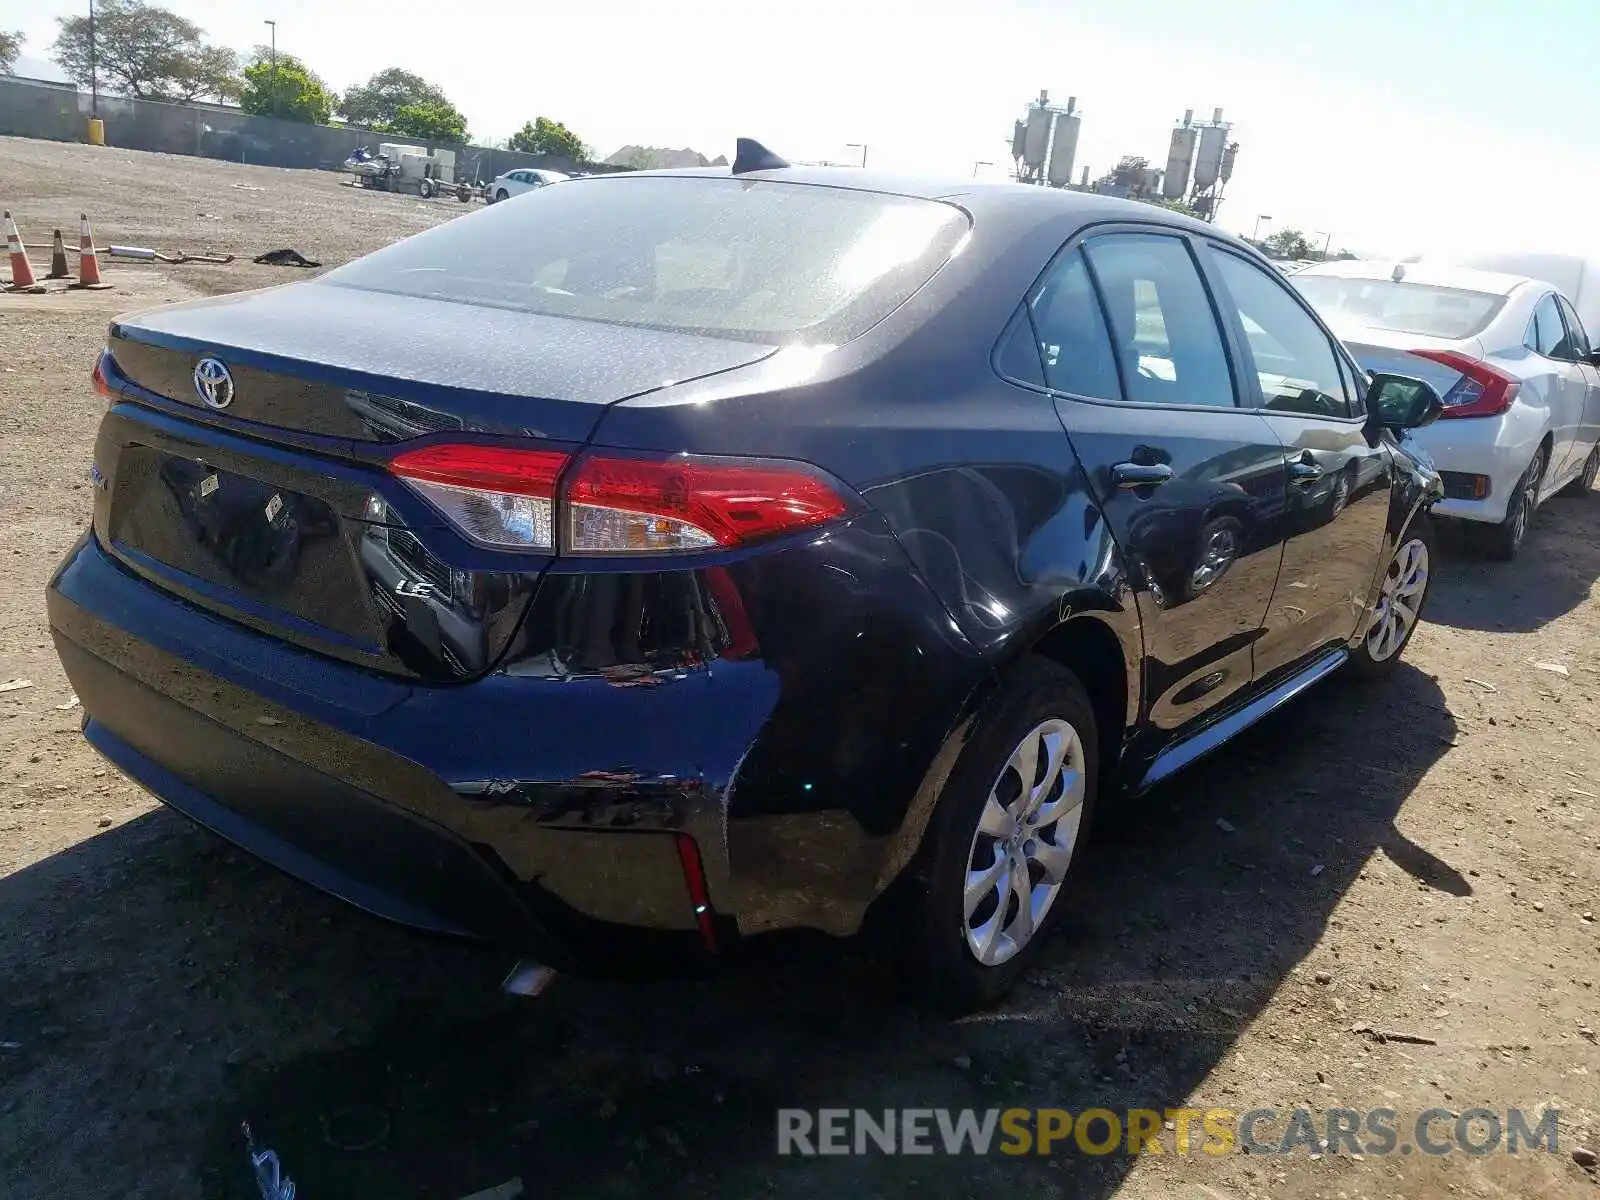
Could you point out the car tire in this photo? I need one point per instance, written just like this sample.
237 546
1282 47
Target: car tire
1040 830
1503 541
502 194
1407 581
1584 483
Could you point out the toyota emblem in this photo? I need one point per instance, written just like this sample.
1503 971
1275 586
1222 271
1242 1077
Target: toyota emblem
213 383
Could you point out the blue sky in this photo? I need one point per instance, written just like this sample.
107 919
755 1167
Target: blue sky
1395 125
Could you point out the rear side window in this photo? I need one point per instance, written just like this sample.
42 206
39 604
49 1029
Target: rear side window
753 260
1163 331
1293 358
1401 307
1575 330
1549 331
1073 341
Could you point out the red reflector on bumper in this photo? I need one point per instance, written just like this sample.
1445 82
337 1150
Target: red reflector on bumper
694 875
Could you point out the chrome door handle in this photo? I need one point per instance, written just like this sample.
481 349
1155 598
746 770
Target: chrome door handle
1301 471
1137 475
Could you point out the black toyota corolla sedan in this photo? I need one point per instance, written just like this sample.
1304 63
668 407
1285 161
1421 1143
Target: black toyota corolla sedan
659 560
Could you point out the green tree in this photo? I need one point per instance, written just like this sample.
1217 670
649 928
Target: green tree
544 136
286 88
145 51
1177 206
10 47
430 120
1290 243
376 102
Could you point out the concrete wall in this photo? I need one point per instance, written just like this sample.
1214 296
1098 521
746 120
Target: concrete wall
59 112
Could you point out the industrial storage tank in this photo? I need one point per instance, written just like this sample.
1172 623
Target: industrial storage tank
1036 138
1208 162
1019 138
1064 147
1228 158
1179 159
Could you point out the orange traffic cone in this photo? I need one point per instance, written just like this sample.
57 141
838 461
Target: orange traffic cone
22 279
58 259
88 258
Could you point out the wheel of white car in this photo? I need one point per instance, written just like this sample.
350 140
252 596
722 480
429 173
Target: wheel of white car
1502 541
1584 483
502 194
1401 596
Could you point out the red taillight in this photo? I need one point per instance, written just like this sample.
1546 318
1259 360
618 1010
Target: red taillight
497 495
98 380
508 497
1482 391
631 506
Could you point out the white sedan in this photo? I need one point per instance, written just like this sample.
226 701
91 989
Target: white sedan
503 187
1511 360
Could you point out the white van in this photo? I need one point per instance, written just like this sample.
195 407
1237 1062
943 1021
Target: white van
1575 277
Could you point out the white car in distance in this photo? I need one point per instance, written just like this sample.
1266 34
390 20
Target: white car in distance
512 183
1512 362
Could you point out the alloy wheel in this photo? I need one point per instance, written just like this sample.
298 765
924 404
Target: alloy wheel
1341 493
1591 468
1221 549
1026 835
1399 600
1527 498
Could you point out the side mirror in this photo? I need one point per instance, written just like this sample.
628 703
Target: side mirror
1594 357
1401 402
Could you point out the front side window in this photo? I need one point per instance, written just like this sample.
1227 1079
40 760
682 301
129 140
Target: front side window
753 260
1293 357
1356 386
1164 333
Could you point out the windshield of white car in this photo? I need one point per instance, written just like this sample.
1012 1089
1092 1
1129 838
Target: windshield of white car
751 260
1419 308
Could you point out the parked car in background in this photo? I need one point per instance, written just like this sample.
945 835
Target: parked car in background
1512 360
744 552
514 183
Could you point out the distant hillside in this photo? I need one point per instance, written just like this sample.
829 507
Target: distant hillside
656 158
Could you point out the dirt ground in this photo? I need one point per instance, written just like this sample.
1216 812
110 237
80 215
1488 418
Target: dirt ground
1417 857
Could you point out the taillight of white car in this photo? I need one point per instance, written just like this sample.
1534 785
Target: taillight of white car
1481 391
605 503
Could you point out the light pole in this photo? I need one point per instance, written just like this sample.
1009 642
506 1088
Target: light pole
861 146
94 83
1256 232
274 52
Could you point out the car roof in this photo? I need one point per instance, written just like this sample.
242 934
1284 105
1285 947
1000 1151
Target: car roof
1464 279
974 195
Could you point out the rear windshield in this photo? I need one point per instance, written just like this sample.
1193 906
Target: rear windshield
1402 307
755 260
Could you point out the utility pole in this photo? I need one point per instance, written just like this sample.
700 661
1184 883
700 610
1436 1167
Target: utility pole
94 83
274 52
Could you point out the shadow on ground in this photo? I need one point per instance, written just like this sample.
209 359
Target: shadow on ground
224 996
1510 597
